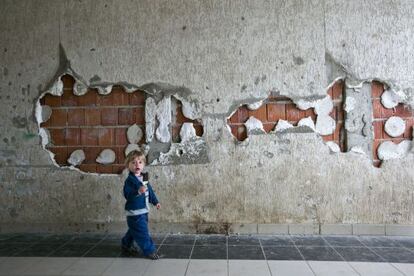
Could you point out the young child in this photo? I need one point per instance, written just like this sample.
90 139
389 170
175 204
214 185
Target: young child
138 195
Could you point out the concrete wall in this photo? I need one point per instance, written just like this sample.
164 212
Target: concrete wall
216 56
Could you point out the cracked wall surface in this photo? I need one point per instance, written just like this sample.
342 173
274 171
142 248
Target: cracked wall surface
220 55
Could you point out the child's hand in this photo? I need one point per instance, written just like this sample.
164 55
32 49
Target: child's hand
158 206
142 189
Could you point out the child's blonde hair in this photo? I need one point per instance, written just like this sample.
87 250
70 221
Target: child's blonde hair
134 154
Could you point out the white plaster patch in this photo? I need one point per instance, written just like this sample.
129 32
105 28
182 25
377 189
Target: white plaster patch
283 125
389 99
131 147
255 106
104 90
349 104
134 134
79 88
358 150
394 126
77 157
163 114
325 125
189 110
46 112
324 106
57 88
304 105
187 132
107 156
307 122
44 136
150 114
388 150
333 147
253 124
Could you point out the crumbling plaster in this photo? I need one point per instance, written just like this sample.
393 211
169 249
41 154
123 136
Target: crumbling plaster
223 52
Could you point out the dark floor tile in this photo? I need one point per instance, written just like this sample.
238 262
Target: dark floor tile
72 250
27 238
38 250
379 242
210 252
358 254
10 249
395 255
4 237
59 239
211 240
104 250
87 239
404 241
248 252
282 253
309 241
276 241
318 253
175 251
179 240
243 240
158 238
343 241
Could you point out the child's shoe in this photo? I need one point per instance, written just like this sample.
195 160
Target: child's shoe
153 256
130 251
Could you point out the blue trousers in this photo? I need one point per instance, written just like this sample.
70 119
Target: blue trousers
138 232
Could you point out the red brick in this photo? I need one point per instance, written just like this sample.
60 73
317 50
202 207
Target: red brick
105 169
330 92
243 114
340 115
120 136
337 133
337 90
106 137
293 114
397 140
117 169
140 116
268 127
376 163
72 136
92 116
409 123
199 129
234 130
137 98
59 117
76 117
91 168
61 154
234 119
120 155
241 133
260 113
57 136
333 113
377 108
69 99
68 81
276 112
52 101
377 88
403 111
109 116
126 116
378 129
91 153
327 138
89 99
386 112
89 136
310 112
120 97
179 119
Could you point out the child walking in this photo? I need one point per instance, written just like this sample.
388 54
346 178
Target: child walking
138 194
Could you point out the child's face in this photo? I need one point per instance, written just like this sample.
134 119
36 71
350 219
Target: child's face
136 166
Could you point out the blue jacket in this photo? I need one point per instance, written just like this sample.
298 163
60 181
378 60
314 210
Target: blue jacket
134 201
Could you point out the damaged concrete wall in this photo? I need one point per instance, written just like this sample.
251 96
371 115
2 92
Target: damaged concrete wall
221 55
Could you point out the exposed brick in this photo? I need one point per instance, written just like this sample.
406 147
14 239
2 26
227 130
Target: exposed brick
293 114
409 123
378 129
310 112
91 153
377 108
337 133
403 111
260 113
91 168
333 113
137 98
327 138
89 99
106 137
337 90
72 136
59 117
117 169
52 101
76 117
175 131
106 169
92 116
89 136
268 127
340 114
377 88
375 146
120 136
180 118
243 114
241 133
140 115
61 154
68 81
120 97
386 112
330 92
126 116
234 119
199 129
234 130
69 99
275 112
109 116
120 155
57 136
376 163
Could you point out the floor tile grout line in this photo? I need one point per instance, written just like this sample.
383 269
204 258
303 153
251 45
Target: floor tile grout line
189 258
267 263
370 249
303 257
391 264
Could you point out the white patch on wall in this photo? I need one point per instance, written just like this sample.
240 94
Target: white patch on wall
162 133
333 147
187 132
107 156
349 104
134 134
255 106
389 99
307 122
150 114
76 157
254 125
57 88
325 125
394 126
388 150
79 88
282 125
131 147
45 136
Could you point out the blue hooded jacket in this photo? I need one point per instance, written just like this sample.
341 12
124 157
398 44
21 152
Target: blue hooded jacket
135 201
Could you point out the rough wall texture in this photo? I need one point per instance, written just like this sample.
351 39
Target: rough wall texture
214 56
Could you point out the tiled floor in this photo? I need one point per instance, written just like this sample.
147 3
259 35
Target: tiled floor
208 255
